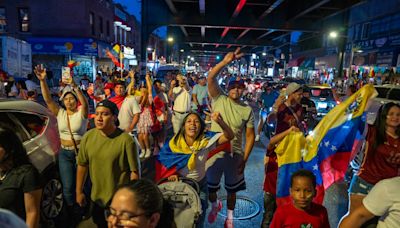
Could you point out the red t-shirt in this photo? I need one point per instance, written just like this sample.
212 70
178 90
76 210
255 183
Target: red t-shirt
375 166
118 100
289 216
286 117
271 172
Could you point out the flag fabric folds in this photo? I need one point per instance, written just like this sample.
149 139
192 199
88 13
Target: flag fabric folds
326 151
175 156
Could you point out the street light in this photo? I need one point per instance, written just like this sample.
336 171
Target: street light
333 34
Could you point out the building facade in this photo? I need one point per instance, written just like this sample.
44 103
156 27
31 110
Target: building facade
76 29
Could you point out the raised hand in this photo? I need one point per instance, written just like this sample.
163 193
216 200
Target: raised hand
232 56
216 116
40 72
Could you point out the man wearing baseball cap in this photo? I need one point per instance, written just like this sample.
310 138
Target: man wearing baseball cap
240 118
111 158
289 116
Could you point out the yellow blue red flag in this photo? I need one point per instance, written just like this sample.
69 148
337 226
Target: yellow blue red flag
326 151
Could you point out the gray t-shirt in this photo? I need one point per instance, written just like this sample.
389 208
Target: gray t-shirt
238 116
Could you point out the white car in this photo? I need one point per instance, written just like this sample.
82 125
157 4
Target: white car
37 127
386 94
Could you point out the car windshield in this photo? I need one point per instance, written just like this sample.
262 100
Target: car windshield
324 93
394 94
382 92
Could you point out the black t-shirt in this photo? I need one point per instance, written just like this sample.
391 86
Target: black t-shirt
18 181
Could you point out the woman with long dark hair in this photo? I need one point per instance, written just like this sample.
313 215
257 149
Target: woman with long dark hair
72 125
382 154
20 186
188 150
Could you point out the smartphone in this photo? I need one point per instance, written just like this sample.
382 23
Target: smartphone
66 75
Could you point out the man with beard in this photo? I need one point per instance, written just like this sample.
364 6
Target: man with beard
240 118
111 158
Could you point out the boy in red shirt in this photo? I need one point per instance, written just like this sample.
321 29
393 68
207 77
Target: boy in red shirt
302 213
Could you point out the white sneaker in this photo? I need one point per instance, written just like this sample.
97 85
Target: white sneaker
142 153
257 138
148 153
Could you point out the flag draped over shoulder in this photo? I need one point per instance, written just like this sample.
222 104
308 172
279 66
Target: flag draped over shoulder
176 154
325 152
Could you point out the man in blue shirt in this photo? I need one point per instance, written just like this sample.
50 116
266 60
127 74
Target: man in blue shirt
267 99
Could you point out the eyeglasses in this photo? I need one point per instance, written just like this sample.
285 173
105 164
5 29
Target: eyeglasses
124 218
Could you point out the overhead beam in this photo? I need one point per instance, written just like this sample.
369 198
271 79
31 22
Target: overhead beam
171 6
311 8
243 33
239 8
270 9
184 30
227 41
224 32
203 31
202 6
266 34
216 24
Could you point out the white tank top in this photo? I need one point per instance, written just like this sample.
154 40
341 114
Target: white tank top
77 122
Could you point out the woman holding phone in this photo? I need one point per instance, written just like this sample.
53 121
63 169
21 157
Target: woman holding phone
72 125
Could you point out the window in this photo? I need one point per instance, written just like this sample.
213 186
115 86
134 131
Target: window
394 94
3 21
365 30
24 17
101 25
108 28
26 125
91 21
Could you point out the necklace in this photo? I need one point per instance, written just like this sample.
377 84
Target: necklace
3 176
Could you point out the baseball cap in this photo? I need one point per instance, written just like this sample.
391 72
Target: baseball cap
110 105
109 85
67 90
292 87
232 83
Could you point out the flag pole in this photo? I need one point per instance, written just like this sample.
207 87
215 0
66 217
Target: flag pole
120 61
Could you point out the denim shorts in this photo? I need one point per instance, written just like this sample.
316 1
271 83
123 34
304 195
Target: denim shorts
359 186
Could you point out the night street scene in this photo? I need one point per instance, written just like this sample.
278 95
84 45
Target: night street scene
199 113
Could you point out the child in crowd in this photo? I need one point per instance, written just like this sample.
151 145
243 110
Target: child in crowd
302 212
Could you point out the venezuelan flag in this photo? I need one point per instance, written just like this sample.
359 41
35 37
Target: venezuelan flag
170 160
326 152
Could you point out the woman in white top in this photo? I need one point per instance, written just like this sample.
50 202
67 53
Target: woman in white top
192 141
70 136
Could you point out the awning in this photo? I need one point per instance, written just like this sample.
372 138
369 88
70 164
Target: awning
296 61
57 46
308 63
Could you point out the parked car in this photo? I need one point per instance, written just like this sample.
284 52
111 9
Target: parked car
164 70
386 94
37 128
323 98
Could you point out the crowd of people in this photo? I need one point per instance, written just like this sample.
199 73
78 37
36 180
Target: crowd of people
202 130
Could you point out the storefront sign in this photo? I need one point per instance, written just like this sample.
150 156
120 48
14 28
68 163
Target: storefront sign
87 47
385 58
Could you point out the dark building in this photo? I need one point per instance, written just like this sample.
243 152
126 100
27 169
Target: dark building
62 30
374 37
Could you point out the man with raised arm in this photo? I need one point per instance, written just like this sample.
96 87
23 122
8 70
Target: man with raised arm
240 118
